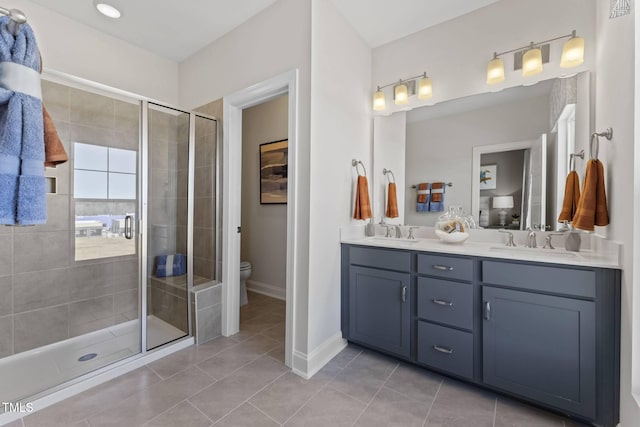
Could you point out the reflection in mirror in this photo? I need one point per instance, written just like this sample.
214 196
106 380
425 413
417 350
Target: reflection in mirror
526 132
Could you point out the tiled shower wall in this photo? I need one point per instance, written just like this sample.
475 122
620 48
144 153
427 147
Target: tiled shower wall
45 295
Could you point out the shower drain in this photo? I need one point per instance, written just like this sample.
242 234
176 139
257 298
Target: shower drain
87 357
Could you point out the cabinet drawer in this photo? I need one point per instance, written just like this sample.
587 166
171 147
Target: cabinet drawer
446 349
446 266
540 278
445 302
380 258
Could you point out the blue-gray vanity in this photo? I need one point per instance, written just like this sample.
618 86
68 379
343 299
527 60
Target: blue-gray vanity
544 332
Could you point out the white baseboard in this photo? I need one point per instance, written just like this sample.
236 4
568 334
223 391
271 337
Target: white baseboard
267 289
93 379
307 365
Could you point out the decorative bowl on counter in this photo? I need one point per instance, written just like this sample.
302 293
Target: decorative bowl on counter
453 226
454 237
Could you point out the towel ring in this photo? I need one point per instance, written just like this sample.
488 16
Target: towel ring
355 164
388 172
572 159
595 138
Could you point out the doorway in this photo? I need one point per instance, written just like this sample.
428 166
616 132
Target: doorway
234 104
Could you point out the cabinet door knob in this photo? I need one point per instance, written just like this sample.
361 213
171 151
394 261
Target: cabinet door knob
442 267
441 302
487 310
443 349
404 294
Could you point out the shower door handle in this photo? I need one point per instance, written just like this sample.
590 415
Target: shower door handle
128 227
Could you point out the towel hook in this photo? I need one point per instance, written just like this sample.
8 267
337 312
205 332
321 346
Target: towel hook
17 19
572 159
388 172
608 133
355 164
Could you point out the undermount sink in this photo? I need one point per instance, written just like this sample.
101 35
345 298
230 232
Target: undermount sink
393 240
541 252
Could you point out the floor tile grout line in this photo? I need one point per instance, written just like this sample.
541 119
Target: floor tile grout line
495 411
375 394
198 409
433 402
322 388
263 412
250 397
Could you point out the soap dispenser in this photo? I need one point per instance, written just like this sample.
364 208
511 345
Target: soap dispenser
572 240
370 228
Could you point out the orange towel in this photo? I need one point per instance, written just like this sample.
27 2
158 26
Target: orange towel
436 196
571 197
53 149
392 202
363 205
423 186
592 207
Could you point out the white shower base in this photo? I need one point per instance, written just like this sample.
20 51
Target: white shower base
34 371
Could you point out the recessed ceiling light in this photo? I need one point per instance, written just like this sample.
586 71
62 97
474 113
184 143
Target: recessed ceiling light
107 10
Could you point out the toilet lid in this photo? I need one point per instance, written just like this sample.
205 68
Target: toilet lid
244 265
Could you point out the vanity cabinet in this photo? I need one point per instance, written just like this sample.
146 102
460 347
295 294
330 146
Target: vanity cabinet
379 301
542 332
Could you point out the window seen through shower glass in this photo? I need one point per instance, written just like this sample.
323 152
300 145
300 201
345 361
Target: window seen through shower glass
105 184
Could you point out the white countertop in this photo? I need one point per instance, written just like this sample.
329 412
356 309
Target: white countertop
603 254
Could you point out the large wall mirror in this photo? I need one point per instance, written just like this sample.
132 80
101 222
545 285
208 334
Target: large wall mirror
520 137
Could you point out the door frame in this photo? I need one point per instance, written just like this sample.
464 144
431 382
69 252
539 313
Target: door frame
285 83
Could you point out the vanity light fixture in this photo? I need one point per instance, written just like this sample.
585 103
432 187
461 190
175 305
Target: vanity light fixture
107 9
530 58
403 89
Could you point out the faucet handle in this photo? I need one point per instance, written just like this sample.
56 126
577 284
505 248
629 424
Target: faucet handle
388 227
547 240
411 236
509 234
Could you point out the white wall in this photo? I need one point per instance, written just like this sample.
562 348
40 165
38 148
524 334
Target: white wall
615 75
441 149
341 129
264 227
455 53
389 146
272 42
77 49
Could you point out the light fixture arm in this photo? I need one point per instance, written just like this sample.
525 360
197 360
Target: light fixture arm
424 74
532 44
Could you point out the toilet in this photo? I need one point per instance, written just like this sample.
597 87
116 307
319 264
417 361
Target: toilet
245 273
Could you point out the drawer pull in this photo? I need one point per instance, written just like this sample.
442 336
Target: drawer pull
442 349
487 310
442 302
442 267
404 294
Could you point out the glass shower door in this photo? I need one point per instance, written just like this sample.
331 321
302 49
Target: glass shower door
168 292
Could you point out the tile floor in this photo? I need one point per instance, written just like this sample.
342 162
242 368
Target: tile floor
242 381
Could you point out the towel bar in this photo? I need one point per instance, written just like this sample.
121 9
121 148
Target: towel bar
448 184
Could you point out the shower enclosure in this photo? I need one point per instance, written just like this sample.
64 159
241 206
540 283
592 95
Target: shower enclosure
85 290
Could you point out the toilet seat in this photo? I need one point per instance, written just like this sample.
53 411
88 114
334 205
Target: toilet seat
245 265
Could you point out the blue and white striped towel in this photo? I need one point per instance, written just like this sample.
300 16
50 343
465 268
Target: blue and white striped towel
171 265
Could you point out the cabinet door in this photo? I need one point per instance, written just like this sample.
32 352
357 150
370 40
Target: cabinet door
541 347
379 309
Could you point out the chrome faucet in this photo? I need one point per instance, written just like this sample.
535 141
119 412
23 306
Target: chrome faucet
411 236
510 241
531 239
547 240
398 231
388 227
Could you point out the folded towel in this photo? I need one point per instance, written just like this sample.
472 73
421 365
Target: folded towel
171 265
437 197
424 196
571 197
392 202
23 191
363 205
54 151
592 207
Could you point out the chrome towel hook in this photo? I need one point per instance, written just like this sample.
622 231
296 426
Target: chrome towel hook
355 164
386 172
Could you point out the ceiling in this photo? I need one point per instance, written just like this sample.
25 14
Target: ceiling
175 31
